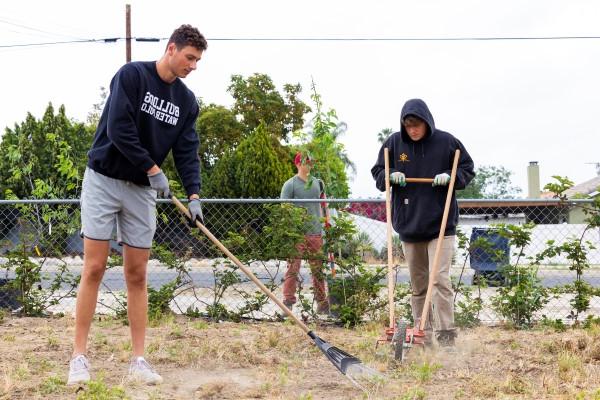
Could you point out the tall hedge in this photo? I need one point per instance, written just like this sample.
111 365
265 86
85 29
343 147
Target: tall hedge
256 169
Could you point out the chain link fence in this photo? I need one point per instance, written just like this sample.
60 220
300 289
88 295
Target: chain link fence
41 256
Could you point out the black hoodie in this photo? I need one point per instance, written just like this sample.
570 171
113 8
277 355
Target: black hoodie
417 208
144 118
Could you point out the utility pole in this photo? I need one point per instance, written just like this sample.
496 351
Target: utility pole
127 33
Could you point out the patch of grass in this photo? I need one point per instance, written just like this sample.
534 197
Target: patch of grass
515 384
306 396
41 365
199 325
156 395
2 315
556 325
23 372
266 388
588 395
416 393
100 340
423 372
570 367
52 384
53 342
7 381
591 323
550 346
98 390
153 347
126 346
273 339
484 386
176 331
284 374
8 338
370 329
106 321
594 331
161 319
175 351
594 350
514 345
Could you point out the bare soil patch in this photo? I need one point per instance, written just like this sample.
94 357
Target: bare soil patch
206 360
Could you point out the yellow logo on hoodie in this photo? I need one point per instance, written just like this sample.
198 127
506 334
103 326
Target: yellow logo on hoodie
404 158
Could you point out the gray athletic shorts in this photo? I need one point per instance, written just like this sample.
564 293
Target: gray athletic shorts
105 201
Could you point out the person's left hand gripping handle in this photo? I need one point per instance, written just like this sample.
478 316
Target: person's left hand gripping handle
195 210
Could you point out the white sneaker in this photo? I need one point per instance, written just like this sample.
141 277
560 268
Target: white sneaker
79 370
140 369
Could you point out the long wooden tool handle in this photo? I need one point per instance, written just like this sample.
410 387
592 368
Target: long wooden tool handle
388 218
438 246
419 180
244 269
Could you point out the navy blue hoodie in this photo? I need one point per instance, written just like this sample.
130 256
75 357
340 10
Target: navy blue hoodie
417 208
143 119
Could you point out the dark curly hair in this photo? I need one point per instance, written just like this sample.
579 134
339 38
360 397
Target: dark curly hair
187 35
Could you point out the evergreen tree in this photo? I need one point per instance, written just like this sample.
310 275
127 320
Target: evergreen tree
254 170
52 150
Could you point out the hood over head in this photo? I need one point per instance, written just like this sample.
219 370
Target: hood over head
418 108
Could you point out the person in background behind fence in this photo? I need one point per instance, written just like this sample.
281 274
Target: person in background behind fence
420 150
149 112
304 186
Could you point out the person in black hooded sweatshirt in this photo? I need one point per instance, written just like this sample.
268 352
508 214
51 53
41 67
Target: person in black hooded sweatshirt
420 150
148 113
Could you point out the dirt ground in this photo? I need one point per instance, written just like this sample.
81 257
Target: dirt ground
206 360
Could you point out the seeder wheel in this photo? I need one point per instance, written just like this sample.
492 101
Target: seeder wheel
399 339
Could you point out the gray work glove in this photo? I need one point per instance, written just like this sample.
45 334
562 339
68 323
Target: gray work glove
160 183
441 180
195 209
398 178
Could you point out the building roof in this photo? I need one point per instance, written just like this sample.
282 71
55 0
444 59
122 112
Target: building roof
588 187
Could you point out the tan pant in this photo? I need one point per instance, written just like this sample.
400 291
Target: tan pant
419 257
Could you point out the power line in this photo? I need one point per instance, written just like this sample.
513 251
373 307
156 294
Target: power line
8 22
324 39
400 39
103 40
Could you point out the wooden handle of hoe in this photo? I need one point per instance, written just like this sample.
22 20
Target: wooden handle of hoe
244 269
438 246
419 180
388 219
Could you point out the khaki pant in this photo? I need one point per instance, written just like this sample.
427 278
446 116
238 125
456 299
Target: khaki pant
419 257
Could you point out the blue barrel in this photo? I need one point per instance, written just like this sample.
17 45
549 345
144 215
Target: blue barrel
493 254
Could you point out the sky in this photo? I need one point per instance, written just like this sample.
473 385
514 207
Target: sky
508 101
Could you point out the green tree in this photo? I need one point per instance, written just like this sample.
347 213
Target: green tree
254 170
93 117
383 134
219 130
44 150
257 100
490 182
322 143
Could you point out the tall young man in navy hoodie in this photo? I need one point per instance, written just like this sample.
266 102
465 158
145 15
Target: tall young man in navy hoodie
148 113
420 150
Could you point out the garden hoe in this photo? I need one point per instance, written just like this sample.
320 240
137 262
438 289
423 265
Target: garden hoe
347 364
401 336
